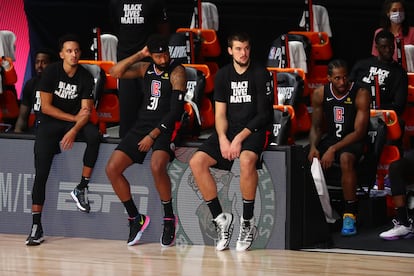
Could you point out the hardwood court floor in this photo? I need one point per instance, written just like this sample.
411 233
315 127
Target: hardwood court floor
79 256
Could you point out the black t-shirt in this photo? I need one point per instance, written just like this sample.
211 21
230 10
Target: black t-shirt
340 113
68 92
29 97
392 79
248 96
136 21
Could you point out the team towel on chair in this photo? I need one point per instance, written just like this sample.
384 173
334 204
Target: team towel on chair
320 20
320 184
7 44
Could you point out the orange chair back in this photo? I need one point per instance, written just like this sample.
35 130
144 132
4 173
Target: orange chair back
108 109
303 118
106 65
291 111
9 108
410 97
206 71
391 120
389 154
276 70
408 117
321 45
210 45
207 114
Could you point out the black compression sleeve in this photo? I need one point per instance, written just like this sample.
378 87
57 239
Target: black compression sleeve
176 110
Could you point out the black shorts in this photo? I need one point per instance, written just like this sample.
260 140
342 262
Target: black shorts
357 149
255 142
129 144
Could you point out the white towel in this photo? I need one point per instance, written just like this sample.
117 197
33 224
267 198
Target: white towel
320 20
320 184
297 55
409 57
7 44
109 43
209 17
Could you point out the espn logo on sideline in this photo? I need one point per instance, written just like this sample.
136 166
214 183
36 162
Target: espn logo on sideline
100 196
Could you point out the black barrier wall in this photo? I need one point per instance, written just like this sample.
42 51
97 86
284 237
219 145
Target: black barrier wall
287 210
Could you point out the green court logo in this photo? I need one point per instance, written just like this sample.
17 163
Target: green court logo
195 221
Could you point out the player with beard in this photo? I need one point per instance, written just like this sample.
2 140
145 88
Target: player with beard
243 107
30 95
134 21
392 78
163 105
343 107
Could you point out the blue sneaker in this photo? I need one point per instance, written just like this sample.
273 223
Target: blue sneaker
348 226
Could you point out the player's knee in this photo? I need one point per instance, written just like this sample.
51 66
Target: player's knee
196 162
347 161
248 162
159 163
112 169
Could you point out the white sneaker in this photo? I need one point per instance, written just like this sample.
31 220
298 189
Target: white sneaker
224 228
248 232
397 232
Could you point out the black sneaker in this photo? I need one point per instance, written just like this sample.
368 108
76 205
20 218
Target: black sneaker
36 235
168 234
81 199
137 226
